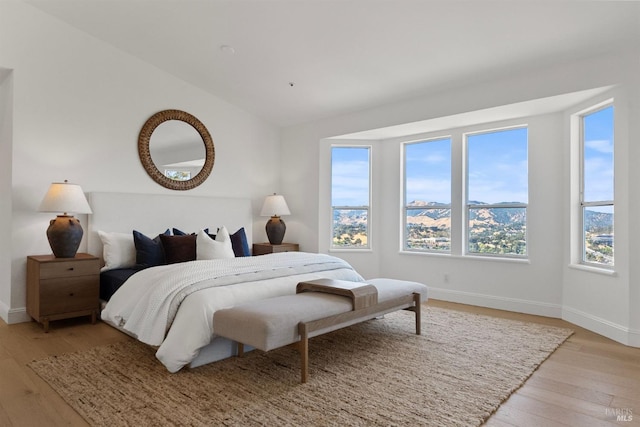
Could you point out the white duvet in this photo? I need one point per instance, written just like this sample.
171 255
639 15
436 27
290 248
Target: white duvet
172 306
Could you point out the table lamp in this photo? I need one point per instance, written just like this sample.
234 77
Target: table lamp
65 232
275 206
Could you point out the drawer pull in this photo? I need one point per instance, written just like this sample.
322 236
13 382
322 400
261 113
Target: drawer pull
71 294
70 268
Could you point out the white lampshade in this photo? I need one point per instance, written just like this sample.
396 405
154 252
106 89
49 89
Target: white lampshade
65 197
275 205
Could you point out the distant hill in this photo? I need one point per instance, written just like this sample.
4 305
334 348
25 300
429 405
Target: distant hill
441 217
494 230
494 216
598 221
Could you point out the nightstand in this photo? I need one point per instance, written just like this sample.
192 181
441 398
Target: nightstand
60 288
268 248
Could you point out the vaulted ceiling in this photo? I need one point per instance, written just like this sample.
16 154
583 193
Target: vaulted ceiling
294 61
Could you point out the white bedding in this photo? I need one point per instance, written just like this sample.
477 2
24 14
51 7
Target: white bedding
147 304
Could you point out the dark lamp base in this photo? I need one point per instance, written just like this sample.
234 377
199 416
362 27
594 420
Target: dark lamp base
275 230
64 234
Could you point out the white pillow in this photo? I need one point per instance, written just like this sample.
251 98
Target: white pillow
118 250
207 248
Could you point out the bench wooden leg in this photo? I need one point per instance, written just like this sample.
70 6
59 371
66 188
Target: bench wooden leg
416 299
240 349
304 352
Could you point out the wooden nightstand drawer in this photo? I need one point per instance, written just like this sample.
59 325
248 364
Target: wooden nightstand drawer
268 248
68 294
50 270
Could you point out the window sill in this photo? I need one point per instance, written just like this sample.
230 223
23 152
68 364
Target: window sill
347 250
496 258
428 253
470 257
592 269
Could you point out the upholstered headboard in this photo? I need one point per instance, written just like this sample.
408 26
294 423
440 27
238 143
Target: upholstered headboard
153 213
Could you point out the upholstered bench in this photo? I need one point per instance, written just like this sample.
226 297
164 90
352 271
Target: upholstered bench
318 307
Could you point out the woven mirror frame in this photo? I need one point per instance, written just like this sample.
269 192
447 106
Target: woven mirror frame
144 140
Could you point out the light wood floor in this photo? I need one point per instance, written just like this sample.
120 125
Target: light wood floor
586 379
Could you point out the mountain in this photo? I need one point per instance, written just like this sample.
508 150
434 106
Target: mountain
438 216
598 222
492 230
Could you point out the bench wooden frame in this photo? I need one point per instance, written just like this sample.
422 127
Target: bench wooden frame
318 327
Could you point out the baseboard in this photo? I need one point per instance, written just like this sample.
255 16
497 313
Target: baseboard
14 315
619 333
634 338
4 312
499 303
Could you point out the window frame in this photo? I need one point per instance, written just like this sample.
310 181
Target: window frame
351 248
583 205
469 206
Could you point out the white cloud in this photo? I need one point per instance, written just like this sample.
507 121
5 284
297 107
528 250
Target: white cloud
600 145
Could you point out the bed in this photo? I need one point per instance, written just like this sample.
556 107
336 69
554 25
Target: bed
171 307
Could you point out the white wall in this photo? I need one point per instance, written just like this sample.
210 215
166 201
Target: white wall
6 110
543 285
78 106
468 279
634 209
532 285
593 297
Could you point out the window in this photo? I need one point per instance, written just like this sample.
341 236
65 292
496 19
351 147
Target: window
497 192
177 175
427 195
597 193
350 197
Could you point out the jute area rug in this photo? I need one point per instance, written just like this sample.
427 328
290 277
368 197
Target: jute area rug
376 373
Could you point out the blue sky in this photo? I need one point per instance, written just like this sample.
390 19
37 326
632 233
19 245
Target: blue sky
428 171
598 149
497 164
349 176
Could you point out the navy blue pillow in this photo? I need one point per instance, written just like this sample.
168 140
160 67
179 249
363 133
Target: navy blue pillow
149 252
240 244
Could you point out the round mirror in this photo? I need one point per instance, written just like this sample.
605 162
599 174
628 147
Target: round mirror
176 150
